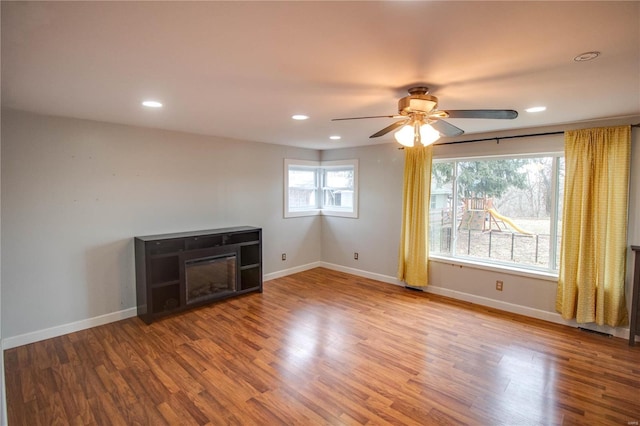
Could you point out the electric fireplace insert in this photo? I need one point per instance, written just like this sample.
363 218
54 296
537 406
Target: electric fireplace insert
210 277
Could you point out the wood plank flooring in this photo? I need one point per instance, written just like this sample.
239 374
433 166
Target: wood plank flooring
323 347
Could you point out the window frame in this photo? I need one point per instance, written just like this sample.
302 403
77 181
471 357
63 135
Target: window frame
320 168
333 166
305 165
552 268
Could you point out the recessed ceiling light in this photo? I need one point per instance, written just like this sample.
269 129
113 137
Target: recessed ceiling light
335 138
300 117
152 104
536 109
586 56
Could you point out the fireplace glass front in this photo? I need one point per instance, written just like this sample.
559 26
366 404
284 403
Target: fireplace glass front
210 276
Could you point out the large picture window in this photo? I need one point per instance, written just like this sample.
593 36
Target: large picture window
499 210
329 188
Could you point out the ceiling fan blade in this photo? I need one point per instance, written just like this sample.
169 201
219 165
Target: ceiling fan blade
446 129
504 114
373 116
389 128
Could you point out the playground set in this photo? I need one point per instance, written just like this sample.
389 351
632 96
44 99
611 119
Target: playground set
480 224
479 215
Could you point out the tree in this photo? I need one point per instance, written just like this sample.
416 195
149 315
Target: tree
485 178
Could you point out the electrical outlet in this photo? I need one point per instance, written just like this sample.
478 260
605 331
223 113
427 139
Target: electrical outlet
499 285
284 256
355 255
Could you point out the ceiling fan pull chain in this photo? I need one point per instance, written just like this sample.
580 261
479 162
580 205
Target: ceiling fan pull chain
416 132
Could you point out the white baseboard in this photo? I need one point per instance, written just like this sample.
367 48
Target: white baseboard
359 272
485 301
553 317
36 336
48 333
290 271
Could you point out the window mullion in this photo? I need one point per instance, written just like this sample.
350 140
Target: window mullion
320 178
553 240
454 210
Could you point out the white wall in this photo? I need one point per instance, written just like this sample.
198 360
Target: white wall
376 234
76 192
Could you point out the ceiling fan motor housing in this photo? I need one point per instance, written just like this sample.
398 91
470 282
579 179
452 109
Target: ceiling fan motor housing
422 104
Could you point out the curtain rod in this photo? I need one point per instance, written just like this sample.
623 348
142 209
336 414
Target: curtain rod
498 139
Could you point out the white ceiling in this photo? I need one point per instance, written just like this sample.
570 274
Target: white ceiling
241 69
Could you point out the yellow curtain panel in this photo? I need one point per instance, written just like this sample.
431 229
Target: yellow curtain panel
414 237
594 226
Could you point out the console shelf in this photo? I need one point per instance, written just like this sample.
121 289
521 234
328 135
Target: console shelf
162 262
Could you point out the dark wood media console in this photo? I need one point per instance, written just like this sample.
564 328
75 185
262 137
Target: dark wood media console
176 272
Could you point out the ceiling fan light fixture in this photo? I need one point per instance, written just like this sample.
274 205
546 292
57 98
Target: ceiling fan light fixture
408 136
405 136
428 135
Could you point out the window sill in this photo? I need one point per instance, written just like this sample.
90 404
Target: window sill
302 213
541 275
321 212
338 213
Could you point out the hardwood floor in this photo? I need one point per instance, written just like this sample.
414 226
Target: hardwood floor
323 347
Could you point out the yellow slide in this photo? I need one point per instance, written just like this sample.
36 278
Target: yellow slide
508 221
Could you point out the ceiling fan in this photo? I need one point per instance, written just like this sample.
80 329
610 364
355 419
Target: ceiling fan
422 122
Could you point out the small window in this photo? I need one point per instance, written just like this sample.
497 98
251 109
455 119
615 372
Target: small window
328 188
301 195
339 188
